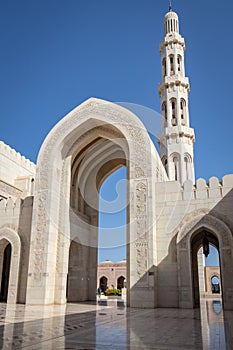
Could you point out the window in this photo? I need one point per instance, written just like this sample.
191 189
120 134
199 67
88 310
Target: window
164 110
173 105
172 71
179 63
188 162
175 161
182 110
164 67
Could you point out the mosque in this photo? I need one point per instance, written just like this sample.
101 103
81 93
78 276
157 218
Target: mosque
49 210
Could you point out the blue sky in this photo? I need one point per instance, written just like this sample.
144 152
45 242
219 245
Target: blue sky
56 54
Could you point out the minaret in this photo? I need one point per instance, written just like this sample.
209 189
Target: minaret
177 138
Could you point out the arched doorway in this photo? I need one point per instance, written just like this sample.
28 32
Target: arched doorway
103 283
189 240
5 273
201 239
10 249
120 282
85 147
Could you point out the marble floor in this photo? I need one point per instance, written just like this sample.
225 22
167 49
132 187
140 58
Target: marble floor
109 324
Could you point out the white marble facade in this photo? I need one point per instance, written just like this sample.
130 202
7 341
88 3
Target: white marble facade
49 211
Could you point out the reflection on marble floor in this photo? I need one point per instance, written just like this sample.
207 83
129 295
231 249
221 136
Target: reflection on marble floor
110 325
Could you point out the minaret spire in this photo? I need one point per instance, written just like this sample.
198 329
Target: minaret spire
170 6
177 138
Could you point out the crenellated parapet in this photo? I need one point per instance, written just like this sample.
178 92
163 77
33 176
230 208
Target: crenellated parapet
13 210
10 207
201 190
16 157
175 202
211 189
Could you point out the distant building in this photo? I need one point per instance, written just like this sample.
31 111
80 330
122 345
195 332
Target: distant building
111 275
212 280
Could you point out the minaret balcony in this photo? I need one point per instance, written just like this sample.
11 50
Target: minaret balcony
172 38
180 130
176 79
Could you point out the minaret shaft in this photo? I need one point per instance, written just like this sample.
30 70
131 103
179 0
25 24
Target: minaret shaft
177 138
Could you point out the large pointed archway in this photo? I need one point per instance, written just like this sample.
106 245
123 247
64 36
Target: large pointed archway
78 154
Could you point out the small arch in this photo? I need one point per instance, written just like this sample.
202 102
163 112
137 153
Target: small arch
5 273
173 103
164 112
120 282
172 67
174 174
188 166
164 67
175 161
179 63
103 283
215 284
10 249
183 111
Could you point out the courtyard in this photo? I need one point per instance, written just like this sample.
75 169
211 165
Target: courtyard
109 324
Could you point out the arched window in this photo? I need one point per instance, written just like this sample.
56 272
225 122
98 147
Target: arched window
186 167
215 283
179 60
164 64
164 112
176 163
174 166
172 70
173 105
187 162
165 165
182 111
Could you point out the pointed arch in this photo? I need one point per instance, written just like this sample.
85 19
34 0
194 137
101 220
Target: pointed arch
103 283
179 64
73 161
164 113
173 104
164 67
120 279
188 166
7 235
172 65
183 111
193 225
174 166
